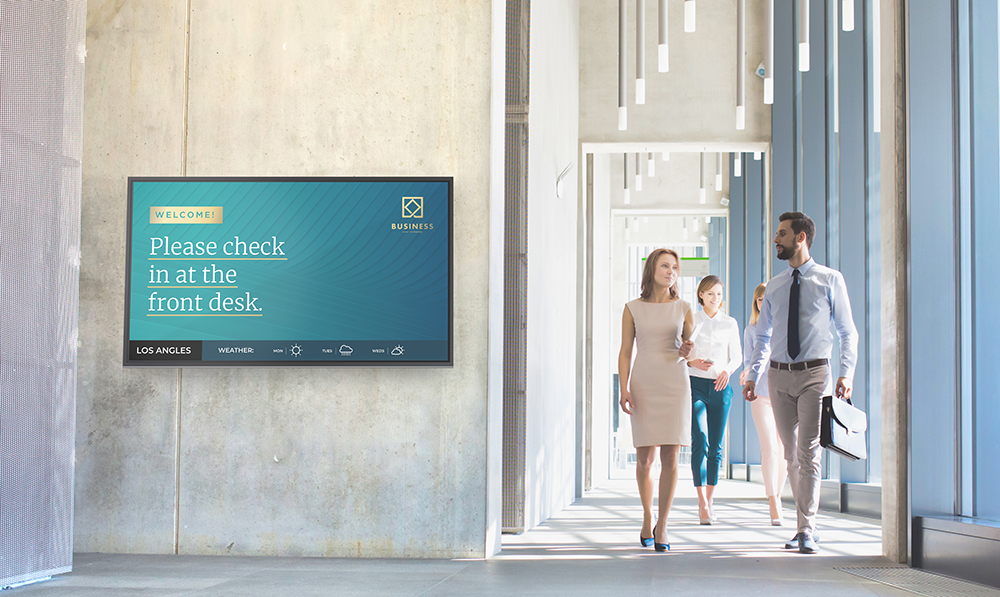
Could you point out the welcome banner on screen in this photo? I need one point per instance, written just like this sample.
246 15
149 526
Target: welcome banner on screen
242 271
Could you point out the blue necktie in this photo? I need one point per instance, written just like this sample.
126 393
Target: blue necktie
793 316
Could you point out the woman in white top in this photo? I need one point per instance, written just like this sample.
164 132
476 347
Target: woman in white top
772 452
718 356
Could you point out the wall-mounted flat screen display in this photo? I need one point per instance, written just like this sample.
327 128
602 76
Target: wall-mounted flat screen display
288 272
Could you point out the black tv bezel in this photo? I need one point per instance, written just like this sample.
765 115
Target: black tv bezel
126 362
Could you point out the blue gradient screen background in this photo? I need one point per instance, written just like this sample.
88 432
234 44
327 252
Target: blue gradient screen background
348 274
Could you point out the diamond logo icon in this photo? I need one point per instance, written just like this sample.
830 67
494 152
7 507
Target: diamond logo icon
413 207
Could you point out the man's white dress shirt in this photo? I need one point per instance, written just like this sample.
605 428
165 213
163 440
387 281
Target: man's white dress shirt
823 307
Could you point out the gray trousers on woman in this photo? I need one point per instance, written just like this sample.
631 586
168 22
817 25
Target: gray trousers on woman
797 400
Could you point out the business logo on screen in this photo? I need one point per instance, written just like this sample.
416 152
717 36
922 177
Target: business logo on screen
413 208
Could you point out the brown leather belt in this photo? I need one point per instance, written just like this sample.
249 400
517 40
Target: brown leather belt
799 366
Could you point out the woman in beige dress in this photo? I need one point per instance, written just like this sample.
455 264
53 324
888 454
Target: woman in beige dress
655 390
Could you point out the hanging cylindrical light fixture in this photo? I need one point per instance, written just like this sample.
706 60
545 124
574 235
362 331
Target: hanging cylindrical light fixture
663 50
684 230
635 224
737 164
625 172
695 224
666 156
769 55
688 16
741 65
627 231
622 110
803 36
651 166
718 171
640 52
638 173
701 186
756 156
848 15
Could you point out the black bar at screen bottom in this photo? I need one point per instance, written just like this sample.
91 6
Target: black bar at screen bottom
164 350
325 351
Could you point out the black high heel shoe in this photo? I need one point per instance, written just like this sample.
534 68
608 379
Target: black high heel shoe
659 546
645 541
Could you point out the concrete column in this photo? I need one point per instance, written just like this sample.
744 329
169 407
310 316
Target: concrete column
894 257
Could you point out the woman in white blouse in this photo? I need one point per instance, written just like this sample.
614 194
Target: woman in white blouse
772 452
717 356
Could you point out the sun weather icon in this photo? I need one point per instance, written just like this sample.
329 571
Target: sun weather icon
296 350
398 351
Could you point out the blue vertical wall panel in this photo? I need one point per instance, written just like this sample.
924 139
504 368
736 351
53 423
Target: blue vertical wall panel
757 243
784 162
932 308
814 114
873 191
738 306
985 248
853 214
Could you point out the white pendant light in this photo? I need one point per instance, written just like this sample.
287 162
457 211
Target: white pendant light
701 185
622 110
737 164
688 16
803 36
627 231
708 219
635 224
847 21
638 173
640 52
651 166
684 230
741 65
695 224
769 55
663 50
756 156
666 156
718 171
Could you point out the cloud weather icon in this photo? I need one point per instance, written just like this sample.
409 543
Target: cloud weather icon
346 350
413 207
398 351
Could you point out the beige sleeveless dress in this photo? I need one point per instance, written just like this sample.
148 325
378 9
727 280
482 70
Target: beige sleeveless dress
661 391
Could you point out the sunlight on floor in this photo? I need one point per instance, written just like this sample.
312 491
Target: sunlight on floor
605 525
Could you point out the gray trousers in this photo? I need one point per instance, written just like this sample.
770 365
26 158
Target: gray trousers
797 401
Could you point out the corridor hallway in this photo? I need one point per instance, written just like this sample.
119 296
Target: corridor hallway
589 549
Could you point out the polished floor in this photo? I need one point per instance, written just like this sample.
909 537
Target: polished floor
588 549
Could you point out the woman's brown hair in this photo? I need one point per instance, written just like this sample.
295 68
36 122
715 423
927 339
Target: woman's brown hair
754 310
646 289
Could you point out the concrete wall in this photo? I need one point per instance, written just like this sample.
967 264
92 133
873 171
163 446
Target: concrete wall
337 462
696 100
550 460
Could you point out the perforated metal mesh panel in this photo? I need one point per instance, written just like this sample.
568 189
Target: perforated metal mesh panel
515 341
921 582
41 111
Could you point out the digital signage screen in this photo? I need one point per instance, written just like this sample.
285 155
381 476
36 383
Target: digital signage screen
288 272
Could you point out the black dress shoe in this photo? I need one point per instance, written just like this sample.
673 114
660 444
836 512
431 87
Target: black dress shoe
645 541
